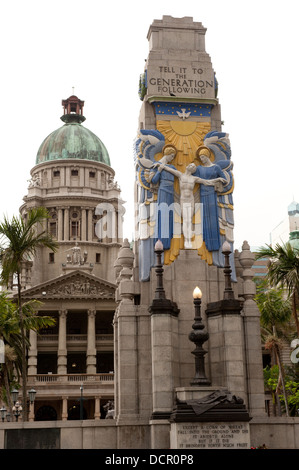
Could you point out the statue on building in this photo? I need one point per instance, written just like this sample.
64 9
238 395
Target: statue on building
34 181
76 258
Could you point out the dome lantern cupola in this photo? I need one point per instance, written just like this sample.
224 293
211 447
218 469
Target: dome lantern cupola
73 110
72 140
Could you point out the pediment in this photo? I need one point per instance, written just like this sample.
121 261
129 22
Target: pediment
72 285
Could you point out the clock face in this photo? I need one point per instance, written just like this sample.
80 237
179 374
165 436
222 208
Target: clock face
46 413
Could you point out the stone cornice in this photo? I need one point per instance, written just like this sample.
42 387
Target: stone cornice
71 162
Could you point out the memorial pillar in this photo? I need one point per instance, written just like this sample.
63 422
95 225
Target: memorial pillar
226 337
91 353
62 348
126 342
252 335
164 339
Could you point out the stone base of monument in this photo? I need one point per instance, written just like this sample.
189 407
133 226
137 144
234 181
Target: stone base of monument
209 418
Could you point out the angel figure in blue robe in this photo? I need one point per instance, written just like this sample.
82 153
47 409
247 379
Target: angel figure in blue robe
164 215
208 198
217 203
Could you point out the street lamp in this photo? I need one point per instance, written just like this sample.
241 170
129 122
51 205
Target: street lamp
14 395
17 409
4 414
198 336
32 394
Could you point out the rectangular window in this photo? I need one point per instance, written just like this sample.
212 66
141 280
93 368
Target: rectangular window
52 229
74 173
75 228
92 174
51 258
98 257
56 173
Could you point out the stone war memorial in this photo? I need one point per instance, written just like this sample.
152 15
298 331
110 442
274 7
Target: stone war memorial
187 337
161 335
188 353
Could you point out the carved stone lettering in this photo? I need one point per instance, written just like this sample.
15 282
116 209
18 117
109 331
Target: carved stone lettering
204 435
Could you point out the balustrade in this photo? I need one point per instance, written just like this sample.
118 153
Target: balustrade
81 378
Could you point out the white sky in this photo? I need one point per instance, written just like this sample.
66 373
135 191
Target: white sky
48 47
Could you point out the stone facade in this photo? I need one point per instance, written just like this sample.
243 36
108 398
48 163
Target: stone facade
76 284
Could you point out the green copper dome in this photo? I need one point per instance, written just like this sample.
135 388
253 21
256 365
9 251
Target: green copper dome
72 140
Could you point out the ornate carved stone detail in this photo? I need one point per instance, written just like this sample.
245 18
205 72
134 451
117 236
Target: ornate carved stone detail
72 285
79 287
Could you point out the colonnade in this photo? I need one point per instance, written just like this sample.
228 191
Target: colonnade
62 345
86 228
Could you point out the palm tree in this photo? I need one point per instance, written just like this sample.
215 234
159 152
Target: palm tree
275 312
20 238
283 271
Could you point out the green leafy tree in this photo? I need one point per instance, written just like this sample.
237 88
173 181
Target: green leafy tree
20 238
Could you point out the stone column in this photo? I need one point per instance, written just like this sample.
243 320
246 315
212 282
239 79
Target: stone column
66 224
64 409
164 338
32 353
68 176
60 225
83 224
97 408
252 334
62 349
81 177
90 225
226 346
126 342
31 412
226 343
91 354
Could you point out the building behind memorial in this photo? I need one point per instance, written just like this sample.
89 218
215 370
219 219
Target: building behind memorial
74 180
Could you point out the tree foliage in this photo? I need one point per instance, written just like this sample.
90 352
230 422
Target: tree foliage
283 271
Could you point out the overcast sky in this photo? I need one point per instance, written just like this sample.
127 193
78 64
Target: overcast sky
99 48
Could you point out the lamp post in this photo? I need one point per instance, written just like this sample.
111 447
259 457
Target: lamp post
17 408
198 336
4 414
159 292
228 291
32 394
